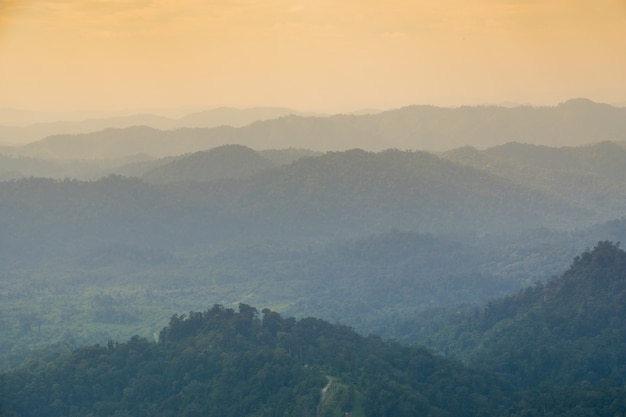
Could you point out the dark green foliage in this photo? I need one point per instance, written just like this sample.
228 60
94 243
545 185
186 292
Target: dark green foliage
235 363
569 331
576 401
169 248
91 261
554 349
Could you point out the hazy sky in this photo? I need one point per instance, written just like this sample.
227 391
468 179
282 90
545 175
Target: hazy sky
328 55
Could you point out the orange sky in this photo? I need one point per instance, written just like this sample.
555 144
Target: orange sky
321 55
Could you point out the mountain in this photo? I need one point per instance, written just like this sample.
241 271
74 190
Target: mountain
373 192
20 135
368 239
396 284
291 131
21 131
228 116
223 362
16 167
573 123
588 174
228 161
20 167
226 363
568 331
119 143
370 281
138 165
287 156
332 196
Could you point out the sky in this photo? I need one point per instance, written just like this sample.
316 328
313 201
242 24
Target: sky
313 55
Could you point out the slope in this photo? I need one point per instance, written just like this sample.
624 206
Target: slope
24 127
591 175
569 331
573 123
332 196
228 161
226 363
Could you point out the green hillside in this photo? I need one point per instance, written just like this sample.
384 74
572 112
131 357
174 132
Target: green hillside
368 239
570 330
226 363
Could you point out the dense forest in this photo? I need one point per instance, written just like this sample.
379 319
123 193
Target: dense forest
550 350
567 331
371 240
226 363
454 260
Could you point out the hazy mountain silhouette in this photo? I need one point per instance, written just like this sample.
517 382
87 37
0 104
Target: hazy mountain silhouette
117 143
19 133
228 161
592 175
331 196
229 116
576 122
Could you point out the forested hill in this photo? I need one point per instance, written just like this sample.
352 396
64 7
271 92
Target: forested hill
572 330
590 174
555 349
228 161
330 196
226 363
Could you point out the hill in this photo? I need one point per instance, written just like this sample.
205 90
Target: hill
567 331
335 195
228 161
573 123
376 192
588 174
138 165
19 128
122 254
368 239
226 363
121 142
16 167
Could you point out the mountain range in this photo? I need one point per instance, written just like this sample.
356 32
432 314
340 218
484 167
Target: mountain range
572 123
106 234
553 349
23 127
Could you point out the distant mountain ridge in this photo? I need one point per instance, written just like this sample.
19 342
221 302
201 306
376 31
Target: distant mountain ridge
592 174
221 116
573 123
